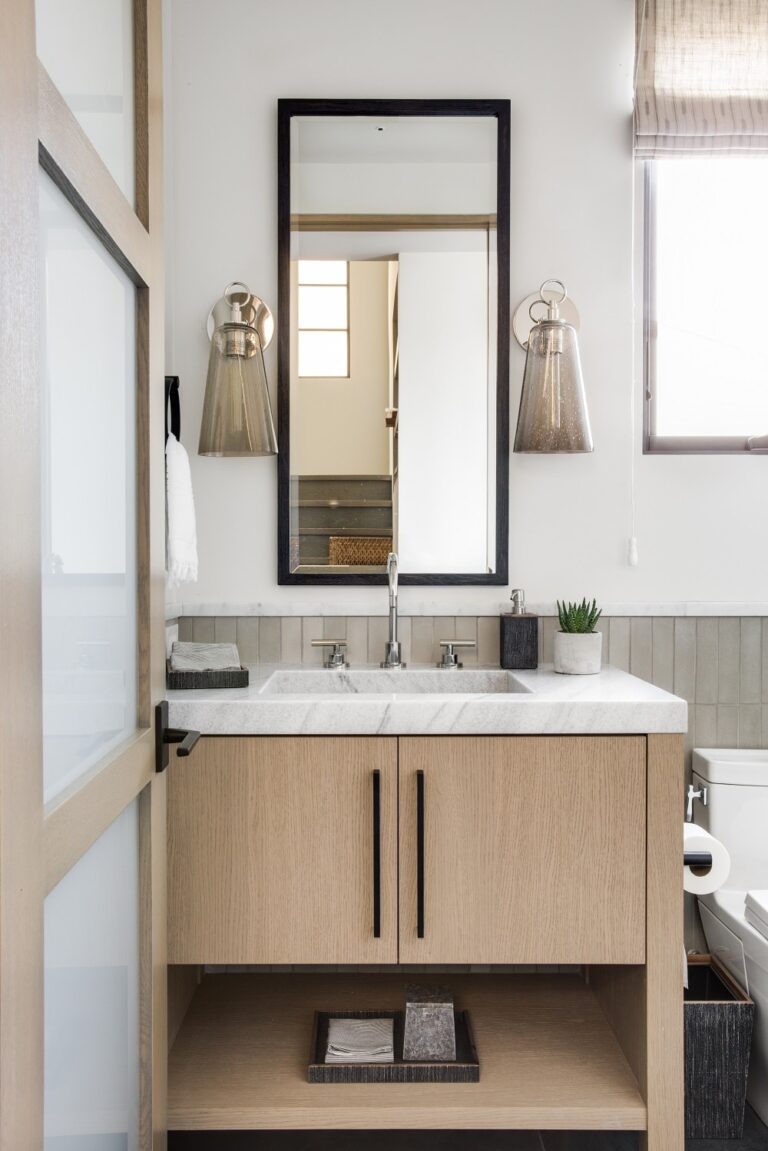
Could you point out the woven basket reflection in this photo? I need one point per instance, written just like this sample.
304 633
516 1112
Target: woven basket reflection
359 551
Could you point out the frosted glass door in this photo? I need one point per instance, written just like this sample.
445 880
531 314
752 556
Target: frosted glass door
86 47
92 997
83 1034
88 495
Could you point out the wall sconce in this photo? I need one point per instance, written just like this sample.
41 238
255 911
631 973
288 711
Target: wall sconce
237 414
553 413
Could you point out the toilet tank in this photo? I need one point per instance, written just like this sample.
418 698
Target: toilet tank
737 811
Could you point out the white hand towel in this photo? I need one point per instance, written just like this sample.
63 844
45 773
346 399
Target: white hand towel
204 656
181 549
360 1041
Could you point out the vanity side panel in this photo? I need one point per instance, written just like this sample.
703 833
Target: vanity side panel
270 845
664 976
183 982
534 849
644 1005
623 995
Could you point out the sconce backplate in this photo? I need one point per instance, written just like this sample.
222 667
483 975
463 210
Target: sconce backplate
254 312
522 322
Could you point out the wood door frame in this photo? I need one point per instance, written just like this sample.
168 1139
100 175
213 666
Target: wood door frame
21 784
38 847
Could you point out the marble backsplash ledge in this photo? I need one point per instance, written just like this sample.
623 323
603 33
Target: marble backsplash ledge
416 601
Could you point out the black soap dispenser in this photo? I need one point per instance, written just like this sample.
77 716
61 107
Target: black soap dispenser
519 635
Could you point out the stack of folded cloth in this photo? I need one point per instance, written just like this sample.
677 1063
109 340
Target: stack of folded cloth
360 1041
204 657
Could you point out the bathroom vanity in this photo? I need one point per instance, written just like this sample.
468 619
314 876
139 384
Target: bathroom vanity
525 834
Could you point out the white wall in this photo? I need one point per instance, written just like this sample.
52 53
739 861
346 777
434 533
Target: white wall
389 188
567 69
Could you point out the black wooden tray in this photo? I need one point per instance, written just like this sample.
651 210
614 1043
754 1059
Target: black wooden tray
192 680
466 1068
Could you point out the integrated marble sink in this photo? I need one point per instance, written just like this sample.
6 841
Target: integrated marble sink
282 700
405 681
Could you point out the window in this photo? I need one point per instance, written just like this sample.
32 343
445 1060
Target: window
323 287
706 249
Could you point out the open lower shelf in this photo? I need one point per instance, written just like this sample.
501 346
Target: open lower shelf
548 1058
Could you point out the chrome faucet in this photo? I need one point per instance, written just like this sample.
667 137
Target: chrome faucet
392 654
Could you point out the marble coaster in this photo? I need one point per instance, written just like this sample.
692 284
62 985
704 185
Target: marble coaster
430 1030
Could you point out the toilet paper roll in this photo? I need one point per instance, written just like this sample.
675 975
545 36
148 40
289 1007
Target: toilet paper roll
695 838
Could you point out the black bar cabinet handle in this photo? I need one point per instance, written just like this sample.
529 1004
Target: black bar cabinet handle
377 854
420 854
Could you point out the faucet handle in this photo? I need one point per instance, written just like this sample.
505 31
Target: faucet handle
337 656
450 659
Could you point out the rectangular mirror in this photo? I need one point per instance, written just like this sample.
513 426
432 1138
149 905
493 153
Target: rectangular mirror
393 329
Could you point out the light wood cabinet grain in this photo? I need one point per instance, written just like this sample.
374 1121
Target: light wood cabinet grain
533 849
271 852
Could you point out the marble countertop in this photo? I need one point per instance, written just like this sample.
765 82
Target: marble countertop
538 702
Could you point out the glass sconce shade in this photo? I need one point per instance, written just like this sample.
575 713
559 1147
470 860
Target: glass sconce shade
553 407
237 415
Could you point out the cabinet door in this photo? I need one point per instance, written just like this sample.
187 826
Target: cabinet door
532 850
271 852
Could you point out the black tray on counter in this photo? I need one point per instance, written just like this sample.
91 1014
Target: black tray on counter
195 680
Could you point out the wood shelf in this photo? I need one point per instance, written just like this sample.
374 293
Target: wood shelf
548 1058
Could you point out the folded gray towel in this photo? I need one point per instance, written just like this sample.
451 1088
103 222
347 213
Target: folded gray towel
204 657
360 1041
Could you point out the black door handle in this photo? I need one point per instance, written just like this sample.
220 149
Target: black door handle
165 736
185 739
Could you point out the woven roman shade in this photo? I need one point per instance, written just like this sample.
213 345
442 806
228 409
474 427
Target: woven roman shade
702 77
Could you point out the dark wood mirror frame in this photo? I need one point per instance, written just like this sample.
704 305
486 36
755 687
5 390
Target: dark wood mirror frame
500 110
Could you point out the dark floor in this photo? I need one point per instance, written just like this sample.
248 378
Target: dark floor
755 1139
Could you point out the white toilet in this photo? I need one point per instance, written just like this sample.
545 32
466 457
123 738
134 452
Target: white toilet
735 919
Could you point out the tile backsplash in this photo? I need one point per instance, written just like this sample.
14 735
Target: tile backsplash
718 664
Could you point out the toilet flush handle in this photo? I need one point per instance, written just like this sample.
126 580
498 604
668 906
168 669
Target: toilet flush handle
701 793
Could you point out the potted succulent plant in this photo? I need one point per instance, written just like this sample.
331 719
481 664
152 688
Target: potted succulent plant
578 647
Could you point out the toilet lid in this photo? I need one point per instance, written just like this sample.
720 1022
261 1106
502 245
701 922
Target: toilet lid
756 905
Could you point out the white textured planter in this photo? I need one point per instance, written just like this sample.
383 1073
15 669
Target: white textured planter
578 653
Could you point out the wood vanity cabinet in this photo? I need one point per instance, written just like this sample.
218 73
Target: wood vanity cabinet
508 850
533 849
271 852
530 850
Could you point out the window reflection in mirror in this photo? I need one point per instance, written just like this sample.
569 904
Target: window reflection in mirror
322 312
393 315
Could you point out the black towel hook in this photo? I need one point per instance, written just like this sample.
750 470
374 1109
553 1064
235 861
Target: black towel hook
172 402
